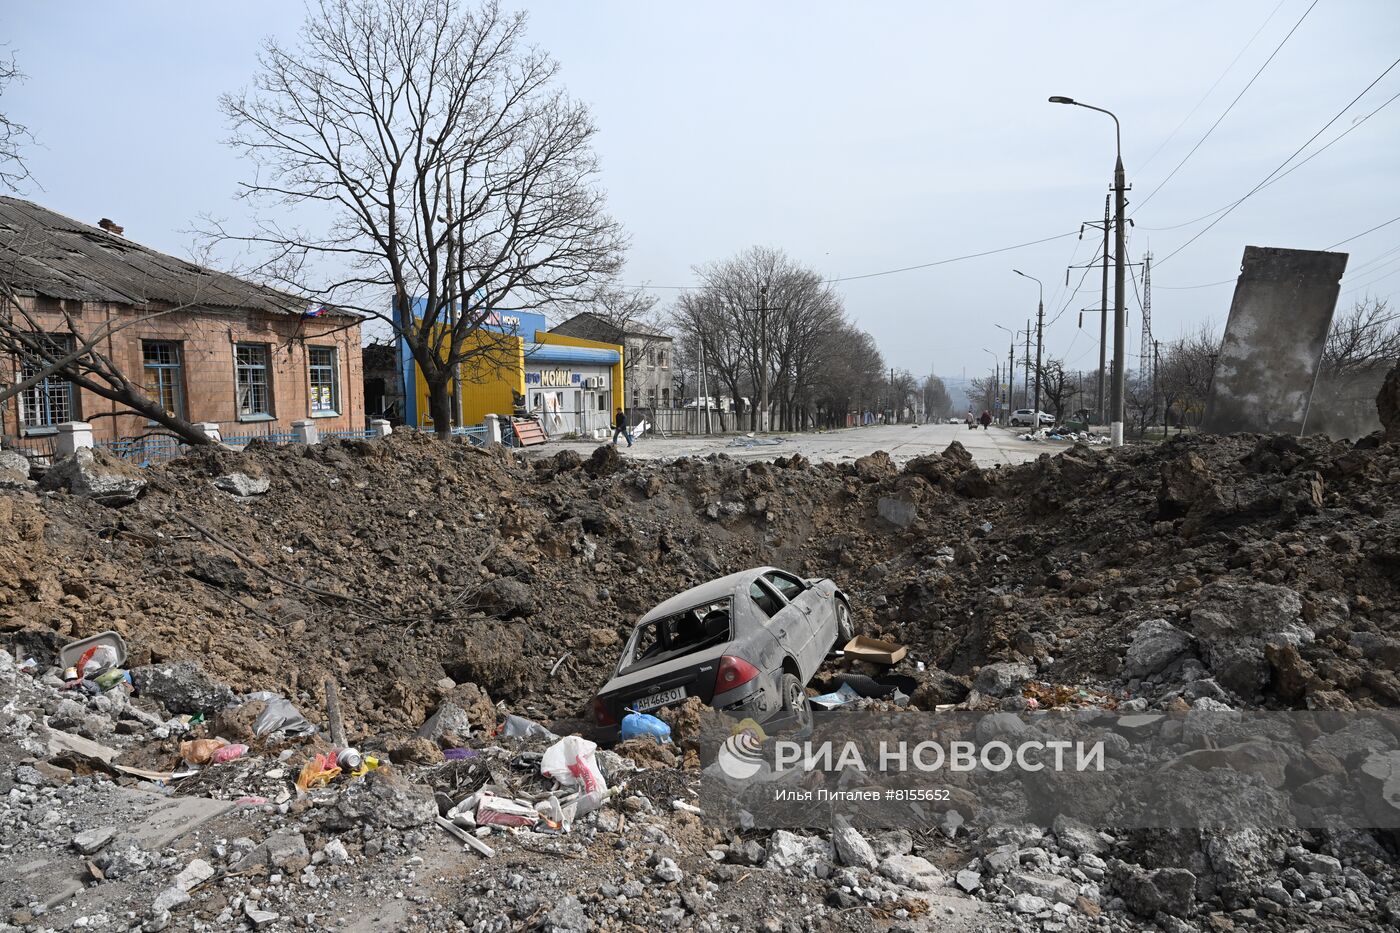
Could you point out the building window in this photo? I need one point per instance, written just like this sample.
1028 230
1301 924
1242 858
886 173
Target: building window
51 400
254 399
636 397
651 357
665 398
651 398
660 357
165 381
325 381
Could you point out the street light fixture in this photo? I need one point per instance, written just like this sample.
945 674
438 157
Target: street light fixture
1116 418
1010 369
1039 337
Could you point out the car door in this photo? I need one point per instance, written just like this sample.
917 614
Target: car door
786 623
804 608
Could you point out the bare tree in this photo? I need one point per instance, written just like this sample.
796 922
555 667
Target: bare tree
14 171
938 404
1362 339
633 322
1056 386
453 180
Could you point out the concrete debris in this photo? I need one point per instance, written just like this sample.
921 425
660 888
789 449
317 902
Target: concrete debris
243 485
96 475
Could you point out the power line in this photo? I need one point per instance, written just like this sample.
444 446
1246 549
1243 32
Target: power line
1204 285
1228 68
1218 119
1336 139
1362 234
1284 163
923 265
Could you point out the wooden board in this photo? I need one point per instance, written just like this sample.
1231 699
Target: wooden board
528 432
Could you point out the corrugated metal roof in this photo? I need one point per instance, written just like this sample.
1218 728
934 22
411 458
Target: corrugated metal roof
45 253
560 353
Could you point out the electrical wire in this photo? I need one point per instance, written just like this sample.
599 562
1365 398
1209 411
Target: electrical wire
1203 285
1336 139
1228 68
1226 113
1283 164
922 265
1361 234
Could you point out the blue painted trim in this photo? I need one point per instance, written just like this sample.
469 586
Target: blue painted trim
557 353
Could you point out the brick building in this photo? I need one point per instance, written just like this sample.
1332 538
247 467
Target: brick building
222 350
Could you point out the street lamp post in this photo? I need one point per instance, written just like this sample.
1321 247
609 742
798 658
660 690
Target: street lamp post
1010 371
1119 321
996 383
1039 336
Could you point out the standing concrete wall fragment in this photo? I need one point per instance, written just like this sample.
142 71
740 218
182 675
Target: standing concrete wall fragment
1278 325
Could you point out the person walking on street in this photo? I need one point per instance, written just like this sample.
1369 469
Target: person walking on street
986 419
620 427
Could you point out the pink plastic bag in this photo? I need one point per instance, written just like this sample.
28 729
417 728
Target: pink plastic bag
229 753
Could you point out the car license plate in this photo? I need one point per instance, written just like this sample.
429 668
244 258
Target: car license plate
674 695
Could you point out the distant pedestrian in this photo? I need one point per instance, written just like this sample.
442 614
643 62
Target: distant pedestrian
968 420
986 419
620 427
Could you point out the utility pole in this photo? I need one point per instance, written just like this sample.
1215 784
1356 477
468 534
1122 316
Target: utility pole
1027 386
1039 340
1010 382
1103 317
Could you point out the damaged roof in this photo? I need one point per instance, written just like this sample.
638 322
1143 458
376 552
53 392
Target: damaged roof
43 253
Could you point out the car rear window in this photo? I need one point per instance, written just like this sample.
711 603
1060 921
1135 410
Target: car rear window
678 635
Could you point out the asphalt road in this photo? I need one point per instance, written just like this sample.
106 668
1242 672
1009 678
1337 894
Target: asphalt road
901 441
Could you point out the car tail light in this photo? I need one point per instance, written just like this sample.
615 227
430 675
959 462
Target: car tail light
733 672
601 714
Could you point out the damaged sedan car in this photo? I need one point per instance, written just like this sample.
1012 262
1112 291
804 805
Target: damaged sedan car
750 641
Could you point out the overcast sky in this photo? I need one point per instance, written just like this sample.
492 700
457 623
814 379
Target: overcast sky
857 137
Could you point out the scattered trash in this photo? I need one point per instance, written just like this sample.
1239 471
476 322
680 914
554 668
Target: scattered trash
874 650
637 725
500 811
518 727
749 440
228 753
113 655
201 751
459 754
571 762
279 715
318 772
835 699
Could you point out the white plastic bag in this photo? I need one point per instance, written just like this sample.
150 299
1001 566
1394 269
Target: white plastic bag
571 762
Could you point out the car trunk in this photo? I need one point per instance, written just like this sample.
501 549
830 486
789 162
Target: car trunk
694 673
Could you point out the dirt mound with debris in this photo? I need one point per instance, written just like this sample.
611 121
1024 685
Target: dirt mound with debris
406 567
422 576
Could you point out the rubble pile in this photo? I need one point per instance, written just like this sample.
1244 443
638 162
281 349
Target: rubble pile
466 604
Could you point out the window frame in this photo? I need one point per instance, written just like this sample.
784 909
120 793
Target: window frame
176 368
268 412
772 578
43 388
771 593
335 410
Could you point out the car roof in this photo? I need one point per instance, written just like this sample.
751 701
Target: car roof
709 592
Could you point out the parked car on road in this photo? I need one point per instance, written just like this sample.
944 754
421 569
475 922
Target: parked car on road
751 641
1024 417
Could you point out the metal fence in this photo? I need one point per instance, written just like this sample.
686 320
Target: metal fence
143 451
39 449
475 433
686 420
368 434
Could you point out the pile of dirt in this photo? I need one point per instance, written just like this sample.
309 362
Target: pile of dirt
405 567
421 575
